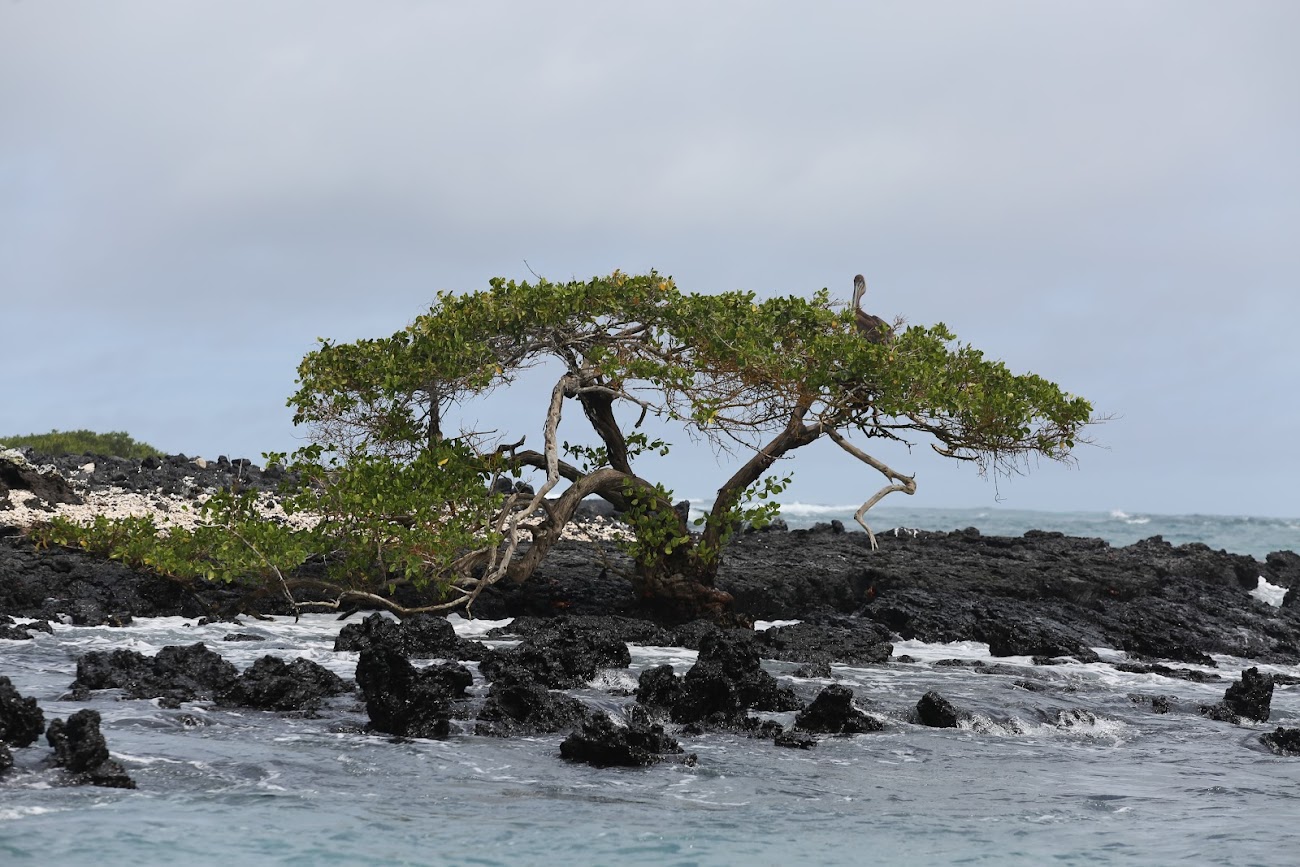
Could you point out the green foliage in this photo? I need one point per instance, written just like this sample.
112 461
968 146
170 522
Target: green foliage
400 500
117 444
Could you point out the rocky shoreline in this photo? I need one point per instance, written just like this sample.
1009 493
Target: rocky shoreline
1041 595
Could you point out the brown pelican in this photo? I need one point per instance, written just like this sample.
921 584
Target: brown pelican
871 327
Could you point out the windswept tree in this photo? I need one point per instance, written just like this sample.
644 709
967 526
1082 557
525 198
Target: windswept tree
762 378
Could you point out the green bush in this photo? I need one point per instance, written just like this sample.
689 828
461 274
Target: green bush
117 444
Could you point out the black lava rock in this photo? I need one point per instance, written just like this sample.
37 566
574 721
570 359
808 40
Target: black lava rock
832 712
567 655
272 684
1283 742
422 636
21 721
603 744
1250 698
935 711
851 641
174 675
519 705
408 702
80 748
726 681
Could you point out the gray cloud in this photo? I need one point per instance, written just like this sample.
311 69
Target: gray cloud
1103 193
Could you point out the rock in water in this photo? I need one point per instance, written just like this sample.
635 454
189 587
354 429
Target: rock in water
404 701
1250 698
832 712
272 684
519 705
21 721
603 744
935 711
80 748
1284 742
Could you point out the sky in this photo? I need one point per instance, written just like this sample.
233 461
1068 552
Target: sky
1106 194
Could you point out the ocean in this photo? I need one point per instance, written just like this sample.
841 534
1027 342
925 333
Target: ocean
1076 770
1234 533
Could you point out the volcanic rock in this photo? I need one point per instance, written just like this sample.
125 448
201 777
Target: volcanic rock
80 748
567 655
272 684
518 705
1250 698
851 641
406 701
21 721
1284 742
174 675
422 636
935 711
603 744
832 712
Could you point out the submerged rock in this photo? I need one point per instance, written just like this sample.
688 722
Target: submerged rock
21 720
604 744
80 748
832 712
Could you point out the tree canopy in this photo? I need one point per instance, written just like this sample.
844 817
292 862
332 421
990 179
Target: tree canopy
407 497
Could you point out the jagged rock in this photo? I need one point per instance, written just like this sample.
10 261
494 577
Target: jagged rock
1191 674
21 720
519 705
820 670
726 681
18 475
241 636
603 744
848 641
406 701
80 748
422 636
272 684
1282 741
659 687
625 629
832 712
6 758
1018 637
794 740
175 674
1250 698
935 711
566 656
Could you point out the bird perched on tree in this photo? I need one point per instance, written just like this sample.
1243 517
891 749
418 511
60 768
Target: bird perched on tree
871 327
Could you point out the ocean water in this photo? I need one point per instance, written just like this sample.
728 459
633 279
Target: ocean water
1077 771
1235 533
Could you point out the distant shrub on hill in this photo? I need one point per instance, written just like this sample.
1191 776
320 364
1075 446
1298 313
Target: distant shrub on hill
117 444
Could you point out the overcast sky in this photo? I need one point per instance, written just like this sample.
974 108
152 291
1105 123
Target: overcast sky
1103 193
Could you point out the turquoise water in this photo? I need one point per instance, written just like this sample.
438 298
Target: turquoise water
1077 773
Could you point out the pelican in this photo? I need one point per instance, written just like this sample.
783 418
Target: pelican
871 327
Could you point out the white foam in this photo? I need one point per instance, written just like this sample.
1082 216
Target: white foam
1268 593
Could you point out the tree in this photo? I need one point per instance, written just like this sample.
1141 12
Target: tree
759 378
